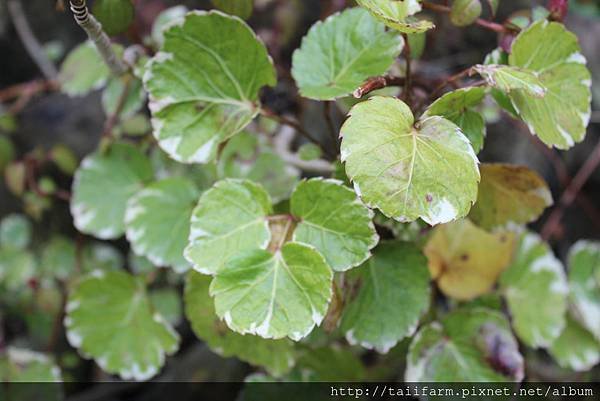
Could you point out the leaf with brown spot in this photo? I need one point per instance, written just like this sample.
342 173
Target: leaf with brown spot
466 260
509 194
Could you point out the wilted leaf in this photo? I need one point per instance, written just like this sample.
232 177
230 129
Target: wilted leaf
339 54
408 170
509 194
465 260
396 14
395 275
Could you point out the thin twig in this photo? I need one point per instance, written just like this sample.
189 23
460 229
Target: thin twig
17 90
330 125
100 39
570 194
113 119
32 45
375 83
451 80
492 26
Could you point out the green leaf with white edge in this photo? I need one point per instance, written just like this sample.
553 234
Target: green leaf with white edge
158 221
276 356
408 170
204 84
340 53
575 348
17 267
465 12
230 218
584 281
103 184
278 295
26 366
509 194
334 221
508 79
84 70
114 15
241 8
499 56
397 274
535 289
459 107
15 231
559 118
397 14
59 257
477 340
109 318
134 100
164 20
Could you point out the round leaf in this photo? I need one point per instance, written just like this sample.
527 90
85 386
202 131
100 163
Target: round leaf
230 218
509 194
339 54
584 280
59 258
109 318
575 348
466 260
15 231
114 15
396 275
164 19
274 295
334 221
458 107
396 14
83 70
465 12
277 356
560 117
477 340
17 267
102 186
407 170
535 289
204 84
158 221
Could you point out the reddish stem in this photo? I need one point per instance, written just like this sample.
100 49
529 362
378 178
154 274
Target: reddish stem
492 26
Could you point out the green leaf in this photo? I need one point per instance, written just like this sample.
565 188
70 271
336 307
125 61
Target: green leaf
17 267
276 356
204 84
331 364
274 295
559 118
334 221
535 289
509 79
397 14
408 170
15 231
59 258
19 365
110 319
84 70
167 302
396 275
164 20
339 54
100 256
114 15
477 340
7 152
230 218
584 280
499 56
509 194
102 186
465 260
134 100
575 348
241 8
465 12
158 221
458 106
309 151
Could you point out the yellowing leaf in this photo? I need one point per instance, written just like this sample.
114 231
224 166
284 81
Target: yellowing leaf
466 260
509 193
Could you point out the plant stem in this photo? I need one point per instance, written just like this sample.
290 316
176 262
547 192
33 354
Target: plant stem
408 72
448 81
375 83
571 192
29 40
492 26
100 39
330 126
114 117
